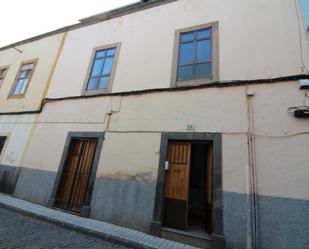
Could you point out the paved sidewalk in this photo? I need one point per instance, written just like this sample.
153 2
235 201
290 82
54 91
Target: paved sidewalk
19 231
106 231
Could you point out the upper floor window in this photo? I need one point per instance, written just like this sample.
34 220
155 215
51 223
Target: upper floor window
102 69
197 55
3 71
23 78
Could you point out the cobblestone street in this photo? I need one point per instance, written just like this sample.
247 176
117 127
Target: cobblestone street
19 231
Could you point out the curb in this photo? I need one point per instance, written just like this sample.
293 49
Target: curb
86 231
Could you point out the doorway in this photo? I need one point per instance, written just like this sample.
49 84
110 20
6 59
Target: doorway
73 185
188 193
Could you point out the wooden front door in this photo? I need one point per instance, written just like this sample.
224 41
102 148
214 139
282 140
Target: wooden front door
177 185
73 185
2 143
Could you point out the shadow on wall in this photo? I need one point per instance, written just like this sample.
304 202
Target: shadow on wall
8 178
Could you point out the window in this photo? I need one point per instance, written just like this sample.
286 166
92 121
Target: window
22 79
2 143
304 5
196 58
3 71
102 69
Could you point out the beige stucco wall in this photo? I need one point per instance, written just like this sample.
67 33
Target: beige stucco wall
45 51
133 123
17 130
250 47
132 138
18 127
132 156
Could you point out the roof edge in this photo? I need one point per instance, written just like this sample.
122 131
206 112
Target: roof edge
105 14
101 17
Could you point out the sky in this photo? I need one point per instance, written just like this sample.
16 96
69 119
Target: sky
24 19
305 8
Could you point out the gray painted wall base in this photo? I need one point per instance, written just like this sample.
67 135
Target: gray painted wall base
123 202
8 178
283 222
35 185
235 218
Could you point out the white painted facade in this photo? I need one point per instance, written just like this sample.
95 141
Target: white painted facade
257 40
18 127
280 143
276 54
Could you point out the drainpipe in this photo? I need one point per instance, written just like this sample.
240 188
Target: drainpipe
253 195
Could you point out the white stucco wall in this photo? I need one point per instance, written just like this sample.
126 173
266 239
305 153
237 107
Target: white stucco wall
45 51
250 47
17 130
132 139
18 127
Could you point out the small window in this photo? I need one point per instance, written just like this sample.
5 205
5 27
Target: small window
196 55
102 70
2 143
23 79
3 71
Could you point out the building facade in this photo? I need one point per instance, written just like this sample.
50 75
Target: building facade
173 117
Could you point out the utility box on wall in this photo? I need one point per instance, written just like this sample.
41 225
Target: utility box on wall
304 84
301 113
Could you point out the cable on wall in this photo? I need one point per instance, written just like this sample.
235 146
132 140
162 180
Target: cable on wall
253 238
218 84
18 50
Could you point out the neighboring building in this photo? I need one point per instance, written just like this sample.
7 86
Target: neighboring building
173 117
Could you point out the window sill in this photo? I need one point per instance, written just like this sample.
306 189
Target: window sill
193 82
95 92
16 96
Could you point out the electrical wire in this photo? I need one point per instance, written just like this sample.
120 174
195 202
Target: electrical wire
155 131
18 50
218 84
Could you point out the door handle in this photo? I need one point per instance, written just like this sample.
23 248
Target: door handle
166 165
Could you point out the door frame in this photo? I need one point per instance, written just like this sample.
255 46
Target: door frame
85 211
217 213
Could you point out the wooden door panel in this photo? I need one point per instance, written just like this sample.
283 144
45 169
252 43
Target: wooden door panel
2 143
177 176
83 174
74 182
65 187
176 191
